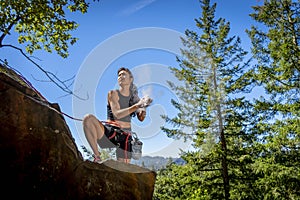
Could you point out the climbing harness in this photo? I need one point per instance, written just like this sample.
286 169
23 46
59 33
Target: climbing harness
132 144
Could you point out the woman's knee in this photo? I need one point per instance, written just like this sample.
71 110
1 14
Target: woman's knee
88 119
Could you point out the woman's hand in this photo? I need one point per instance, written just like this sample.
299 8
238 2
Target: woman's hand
141 114
144 102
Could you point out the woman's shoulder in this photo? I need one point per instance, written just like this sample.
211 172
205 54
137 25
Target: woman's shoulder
112 93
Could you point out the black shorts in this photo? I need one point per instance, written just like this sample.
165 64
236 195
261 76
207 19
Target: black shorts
117 138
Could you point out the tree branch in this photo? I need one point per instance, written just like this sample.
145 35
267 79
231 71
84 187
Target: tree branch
51 76
6 31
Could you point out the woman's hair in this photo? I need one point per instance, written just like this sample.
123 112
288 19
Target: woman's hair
134 97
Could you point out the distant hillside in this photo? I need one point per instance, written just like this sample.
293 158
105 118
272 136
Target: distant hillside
157 162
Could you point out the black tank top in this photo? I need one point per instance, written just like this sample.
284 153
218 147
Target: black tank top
124 103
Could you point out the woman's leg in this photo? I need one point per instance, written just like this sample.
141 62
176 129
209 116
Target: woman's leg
123 152
93 131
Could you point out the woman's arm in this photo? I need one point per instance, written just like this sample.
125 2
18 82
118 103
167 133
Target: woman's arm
113 100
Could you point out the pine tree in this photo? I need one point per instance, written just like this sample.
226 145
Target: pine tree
276 49
212 73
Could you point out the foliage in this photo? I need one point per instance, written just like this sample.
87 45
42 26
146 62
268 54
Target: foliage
277 50
40 24
87 153
213 73
262 135
184 183
109 153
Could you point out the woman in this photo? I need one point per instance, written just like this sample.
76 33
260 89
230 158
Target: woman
122 104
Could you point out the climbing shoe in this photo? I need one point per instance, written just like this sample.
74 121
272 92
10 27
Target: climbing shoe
97 159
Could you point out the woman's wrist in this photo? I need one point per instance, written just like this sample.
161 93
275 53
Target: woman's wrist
141 109
135 107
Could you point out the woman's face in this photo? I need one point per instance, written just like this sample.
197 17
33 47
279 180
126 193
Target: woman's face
124 78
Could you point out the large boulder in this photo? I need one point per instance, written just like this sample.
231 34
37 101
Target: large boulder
40 160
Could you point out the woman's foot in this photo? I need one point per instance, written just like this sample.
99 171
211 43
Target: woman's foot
97 159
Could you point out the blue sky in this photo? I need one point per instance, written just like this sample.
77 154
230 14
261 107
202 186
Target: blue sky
142 35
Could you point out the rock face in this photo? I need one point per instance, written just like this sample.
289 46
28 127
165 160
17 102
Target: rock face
40 160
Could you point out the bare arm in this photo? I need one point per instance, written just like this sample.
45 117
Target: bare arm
113 100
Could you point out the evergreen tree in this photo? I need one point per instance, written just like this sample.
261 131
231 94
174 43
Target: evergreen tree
210 113
276 49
